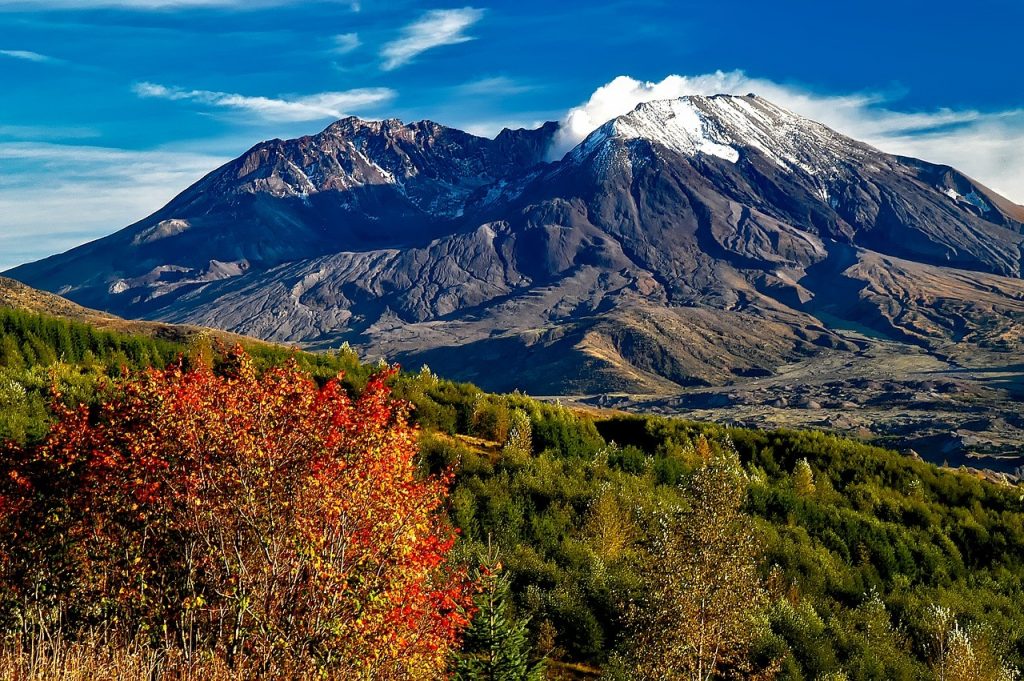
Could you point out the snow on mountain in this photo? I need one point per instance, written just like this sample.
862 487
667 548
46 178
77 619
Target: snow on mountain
725 125
676 124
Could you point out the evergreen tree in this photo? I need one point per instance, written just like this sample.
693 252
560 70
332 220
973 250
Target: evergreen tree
497 645
29 354
10 355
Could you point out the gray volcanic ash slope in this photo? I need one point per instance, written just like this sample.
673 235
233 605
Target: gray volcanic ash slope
690 242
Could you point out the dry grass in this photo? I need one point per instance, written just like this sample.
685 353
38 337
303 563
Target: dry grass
568 671
96 658
37 660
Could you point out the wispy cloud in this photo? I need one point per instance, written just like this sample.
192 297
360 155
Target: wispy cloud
46 132
56 196
26 55
150 5
985 145
495 86
345 43
302 108
434 29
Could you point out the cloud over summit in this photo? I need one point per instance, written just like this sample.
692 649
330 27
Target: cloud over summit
985 145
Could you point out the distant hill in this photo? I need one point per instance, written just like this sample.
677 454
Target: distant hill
14 294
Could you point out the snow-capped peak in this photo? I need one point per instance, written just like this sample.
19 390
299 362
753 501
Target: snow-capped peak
727 125
677 124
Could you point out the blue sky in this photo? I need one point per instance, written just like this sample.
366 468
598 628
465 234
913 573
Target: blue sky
110 107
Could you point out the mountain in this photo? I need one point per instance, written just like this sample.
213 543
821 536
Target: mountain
357 185
690 242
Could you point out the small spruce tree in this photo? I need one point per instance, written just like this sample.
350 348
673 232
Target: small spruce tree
497 646
10 355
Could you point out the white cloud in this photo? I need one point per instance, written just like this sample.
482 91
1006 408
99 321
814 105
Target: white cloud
345 43
55 196
27 55
46 132
434 29
147 5
496 86
305 108
985 146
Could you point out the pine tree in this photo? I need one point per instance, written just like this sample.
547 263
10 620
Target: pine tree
10 355
29 354
497 644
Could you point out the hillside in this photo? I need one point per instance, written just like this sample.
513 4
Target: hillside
856 558
18 296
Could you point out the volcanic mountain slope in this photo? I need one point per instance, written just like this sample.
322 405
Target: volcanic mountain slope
694 241
356 185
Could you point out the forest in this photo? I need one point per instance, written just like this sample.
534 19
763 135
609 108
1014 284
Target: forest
175 511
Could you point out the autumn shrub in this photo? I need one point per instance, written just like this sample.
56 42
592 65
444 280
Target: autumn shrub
271 520
491 418
699 618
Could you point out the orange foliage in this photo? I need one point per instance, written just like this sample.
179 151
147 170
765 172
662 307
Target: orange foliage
258 516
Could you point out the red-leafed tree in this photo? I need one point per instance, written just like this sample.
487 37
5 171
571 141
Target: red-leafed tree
274 521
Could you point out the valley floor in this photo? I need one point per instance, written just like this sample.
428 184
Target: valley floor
959 407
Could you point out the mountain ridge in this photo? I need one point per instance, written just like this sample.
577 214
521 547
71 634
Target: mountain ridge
689 242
